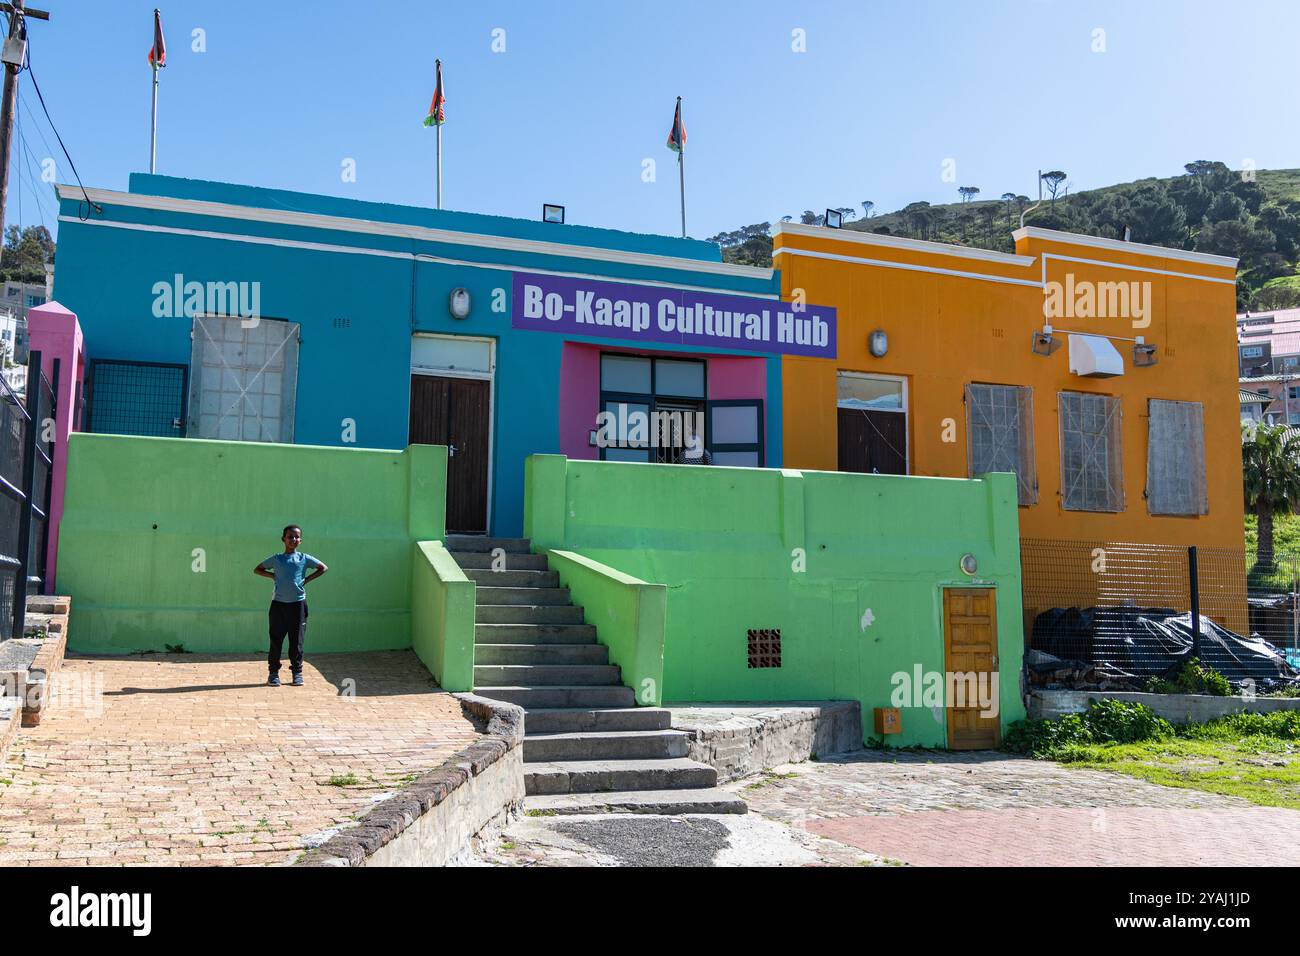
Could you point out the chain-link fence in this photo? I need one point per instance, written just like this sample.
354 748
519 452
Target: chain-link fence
1128 612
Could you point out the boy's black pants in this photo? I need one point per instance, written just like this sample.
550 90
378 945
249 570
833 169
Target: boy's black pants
288 619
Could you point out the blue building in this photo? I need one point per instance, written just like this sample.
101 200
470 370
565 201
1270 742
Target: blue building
222 311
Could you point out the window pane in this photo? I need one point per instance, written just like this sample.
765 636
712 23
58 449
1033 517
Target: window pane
1092 477
735 425
1000 435
626 454
679 378
628 423
740 459
1176 459
625 373
864 391
450 354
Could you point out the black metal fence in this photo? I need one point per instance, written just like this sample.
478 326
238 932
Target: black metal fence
1133 610
26 468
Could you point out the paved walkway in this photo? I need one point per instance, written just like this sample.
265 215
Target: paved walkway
192 759
987 809
925 809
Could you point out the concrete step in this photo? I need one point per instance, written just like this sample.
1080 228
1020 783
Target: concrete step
528 614
597 776
513 562
553 597
612 696
478 542
513 579
541 654
618 745
674 802
544 675
534 634
572 720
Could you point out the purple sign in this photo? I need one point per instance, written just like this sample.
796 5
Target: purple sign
642 313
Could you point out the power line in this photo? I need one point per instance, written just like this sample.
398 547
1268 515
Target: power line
37 87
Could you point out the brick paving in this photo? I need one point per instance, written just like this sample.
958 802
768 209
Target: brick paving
193 760
985 809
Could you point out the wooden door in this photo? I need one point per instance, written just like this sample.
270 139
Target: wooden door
970 635
456 412
872 441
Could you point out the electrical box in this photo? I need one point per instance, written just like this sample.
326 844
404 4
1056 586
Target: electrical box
888 721
14 52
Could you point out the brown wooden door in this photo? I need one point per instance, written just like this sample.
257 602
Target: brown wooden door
455 412
970 635
872 441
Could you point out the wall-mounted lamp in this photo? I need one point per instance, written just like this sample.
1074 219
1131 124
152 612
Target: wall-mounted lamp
834 218
552 213
878 343
968 564
458 303
1044 343
1143 354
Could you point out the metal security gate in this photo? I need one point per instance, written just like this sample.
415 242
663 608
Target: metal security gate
26 465
137 398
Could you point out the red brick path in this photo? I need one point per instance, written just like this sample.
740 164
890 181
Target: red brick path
192 759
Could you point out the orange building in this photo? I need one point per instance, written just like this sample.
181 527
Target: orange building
1102 372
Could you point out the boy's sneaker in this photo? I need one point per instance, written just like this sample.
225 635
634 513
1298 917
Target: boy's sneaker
297 680
273 680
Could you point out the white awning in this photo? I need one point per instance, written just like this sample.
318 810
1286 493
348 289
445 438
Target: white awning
1093 356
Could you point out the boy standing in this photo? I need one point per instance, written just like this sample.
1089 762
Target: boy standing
288 613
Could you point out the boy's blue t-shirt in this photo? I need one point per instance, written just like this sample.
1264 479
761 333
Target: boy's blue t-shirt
290 570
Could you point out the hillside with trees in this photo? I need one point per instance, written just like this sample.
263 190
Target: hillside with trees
1253 215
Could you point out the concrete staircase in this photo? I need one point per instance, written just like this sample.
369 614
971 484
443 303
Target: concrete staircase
587 747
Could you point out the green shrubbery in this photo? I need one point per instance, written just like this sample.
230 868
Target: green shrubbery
1192 677
1076 737
1105 722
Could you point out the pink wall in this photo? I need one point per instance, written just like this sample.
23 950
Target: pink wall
56 334
728 376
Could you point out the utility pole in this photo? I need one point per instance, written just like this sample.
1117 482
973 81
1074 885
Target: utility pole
14 55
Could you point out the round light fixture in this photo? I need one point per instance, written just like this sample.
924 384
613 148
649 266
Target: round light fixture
878 342
458 303
968 563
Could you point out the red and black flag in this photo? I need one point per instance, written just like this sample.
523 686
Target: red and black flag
436 115
677 136
157 52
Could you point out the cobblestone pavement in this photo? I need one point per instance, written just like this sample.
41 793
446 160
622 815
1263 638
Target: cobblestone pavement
989 809
933 808
193 760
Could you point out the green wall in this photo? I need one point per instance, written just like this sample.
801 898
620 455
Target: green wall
136 509
724 540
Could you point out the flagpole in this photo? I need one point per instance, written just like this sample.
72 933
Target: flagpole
439 130
681 179
153 125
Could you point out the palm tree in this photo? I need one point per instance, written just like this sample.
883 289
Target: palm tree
1270 459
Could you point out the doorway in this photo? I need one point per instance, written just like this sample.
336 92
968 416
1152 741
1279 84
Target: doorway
872 423
970 647
451 404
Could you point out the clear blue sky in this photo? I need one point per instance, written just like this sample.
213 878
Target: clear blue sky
885 92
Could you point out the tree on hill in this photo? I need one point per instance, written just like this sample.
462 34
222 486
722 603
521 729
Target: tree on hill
1054 180
867 206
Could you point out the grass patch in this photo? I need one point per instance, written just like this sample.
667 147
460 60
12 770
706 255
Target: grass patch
1252 756
342 780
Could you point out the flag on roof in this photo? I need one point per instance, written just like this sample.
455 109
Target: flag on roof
437 116
677 136
157 52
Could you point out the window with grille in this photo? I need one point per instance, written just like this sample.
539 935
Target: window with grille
1092 473
1000 435
136 398
244 378
1176 458
764 647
